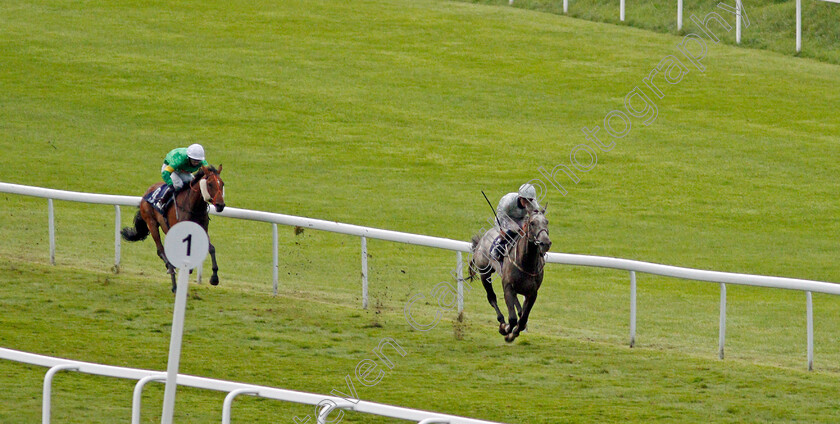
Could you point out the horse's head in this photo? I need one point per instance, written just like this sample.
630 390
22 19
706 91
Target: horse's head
537 231
212 186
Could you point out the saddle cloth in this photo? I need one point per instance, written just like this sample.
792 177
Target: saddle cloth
156 195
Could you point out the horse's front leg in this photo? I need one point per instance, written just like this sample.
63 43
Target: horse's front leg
214 279
510 300
526 312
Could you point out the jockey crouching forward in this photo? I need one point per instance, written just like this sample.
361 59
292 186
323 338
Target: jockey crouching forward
511 213
177 171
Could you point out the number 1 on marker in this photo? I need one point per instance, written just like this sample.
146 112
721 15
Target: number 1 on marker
188 240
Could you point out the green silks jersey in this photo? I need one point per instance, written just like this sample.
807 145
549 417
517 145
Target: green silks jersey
177 160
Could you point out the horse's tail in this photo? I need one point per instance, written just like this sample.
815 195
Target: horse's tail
474 241
139 232
473 244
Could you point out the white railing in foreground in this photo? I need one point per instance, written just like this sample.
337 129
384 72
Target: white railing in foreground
232 388
632 266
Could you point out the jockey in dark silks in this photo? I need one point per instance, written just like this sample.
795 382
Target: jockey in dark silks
177 171
510 215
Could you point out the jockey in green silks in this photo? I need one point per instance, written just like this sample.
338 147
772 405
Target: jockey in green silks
178 168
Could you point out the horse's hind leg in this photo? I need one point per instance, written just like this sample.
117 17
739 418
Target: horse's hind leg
510 300
162 255
491 297
214 279
154 228
171 271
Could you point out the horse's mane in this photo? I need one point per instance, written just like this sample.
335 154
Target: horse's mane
200 174
536 212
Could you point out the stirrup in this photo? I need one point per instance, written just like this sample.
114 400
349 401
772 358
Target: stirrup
162 202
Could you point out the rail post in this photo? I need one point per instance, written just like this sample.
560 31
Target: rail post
276 263
137 398
809 308
175 346
364 274
51 213
722 331
679 14
632 308
798 26
459 270
325 412
117 239
45 406
186 246
229 401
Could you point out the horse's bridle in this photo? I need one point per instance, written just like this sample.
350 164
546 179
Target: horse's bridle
536 242
535 239
207 176
197 187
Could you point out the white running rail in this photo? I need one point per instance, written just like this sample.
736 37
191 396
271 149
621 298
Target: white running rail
232 388
632 266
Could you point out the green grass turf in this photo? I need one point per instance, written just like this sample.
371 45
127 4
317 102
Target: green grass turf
772 23
312 344
395 114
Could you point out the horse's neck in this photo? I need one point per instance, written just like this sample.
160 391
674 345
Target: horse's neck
527 253
199 206
194 203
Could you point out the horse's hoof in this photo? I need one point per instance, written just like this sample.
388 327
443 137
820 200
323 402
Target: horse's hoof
214 280
510 337
503 329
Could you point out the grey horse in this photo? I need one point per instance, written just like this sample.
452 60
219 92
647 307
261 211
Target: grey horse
521 270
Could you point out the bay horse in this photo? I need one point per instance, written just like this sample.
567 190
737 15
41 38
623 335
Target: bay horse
521 271
190 204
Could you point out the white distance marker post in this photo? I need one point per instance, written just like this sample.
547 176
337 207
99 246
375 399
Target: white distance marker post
186 247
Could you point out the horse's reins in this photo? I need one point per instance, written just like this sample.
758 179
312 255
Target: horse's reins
536 243
202 187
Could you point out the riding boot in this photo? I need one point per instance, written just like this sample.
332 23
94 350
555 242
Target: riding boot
496 248
164 198
499 248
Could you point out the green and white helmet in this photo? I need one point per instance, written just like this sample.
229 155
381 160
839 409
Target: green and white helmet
527 191
195 151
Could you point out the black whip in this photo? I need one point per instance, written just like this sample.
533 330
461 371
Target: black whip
493 209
